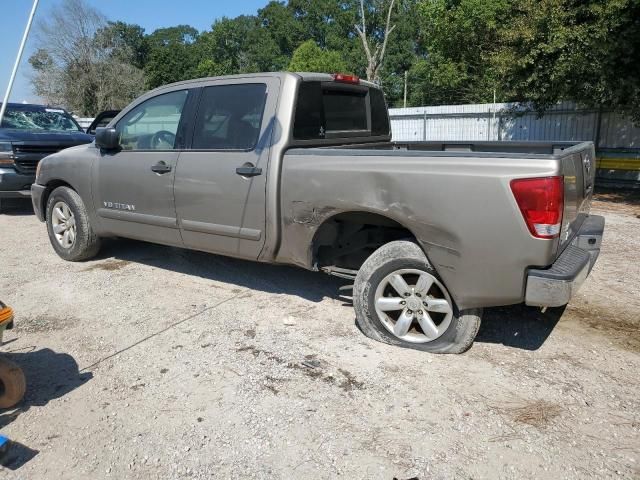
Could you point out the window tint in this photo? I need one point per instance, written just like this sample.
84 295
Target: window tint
153 125
345 110
331 110
379 113
309 117
229 117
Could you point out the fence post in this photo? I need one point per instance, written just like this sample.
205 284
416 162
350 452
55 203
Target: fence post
424 126
596 140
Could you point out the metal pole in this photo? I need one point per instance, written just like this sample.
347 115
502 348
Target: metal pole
405 88
424 126
494 110
17 64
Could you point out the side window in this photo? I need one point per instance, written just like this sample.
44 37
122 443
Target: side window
229 117
153 125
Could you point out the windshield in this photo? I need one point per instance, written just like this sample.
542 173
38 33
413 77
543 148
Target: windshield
39 118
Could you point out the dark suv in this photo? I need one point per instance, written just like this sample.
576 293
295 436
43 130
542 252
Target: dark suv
28 134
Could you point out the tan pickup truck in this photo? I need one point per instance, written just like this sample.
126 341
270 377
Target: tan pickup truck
301 169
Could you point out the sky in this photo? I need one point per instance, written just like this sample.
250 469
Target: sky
150 14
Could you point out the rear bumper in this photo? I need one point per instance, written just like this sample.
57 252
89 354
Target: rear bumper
14 184
554 286
36 199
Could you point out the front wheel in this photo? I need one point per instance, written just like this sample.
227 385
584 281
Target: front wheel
68 225
400 300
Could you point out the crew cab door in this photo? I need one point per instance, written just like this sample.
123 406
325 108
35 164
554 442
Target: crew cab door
221 177
133 186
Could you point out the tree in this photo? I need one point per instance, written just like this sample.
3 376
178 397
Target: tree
74 68
173 55
586 51
309 57
374 48
125 42
226 48
461 42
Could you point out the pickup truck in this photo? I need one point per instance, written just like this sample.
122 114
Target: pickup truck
300 169
29 133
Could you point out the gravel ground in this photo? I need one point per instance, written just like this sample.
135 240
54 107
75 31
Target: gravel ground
155 362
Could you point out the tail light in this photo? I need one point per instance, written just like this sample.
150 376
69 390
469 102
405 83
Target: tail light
541 201
344 78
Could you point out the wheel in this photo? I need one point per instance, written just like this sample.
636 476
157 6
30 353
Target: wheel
68 225
12 383
400 300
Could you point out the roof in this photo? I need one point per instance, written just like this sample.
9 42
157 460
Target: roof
30 106
305 76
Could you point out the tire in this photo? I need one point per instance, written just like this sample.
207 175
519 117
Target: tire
383 312
66 203
12 382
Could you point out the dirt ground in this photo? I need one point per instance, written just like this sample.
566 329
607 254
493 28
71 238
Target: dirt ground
155 362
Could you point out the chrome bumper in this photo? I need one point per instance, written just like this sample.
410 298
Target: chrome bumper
554 286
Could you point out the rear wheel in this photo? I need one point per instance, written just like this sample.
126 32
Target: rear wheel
68 225
400 300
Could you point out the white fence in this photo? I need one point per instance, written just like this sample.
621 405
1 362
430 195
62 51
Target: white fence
498 122
616 138
84 122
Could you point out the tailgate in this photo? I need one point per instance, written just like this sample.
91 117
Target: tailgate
578 165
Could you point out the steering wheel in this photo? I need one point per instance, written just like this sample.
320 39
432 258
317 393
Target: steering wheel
163 136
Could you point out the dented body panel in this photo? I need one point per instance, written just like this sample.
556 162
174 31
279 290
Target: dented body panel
460 210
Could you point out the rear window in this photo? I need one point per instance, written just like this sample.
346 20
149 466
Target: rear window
333 110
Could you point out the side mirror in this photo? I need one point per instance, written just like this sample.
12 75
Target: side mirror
107 138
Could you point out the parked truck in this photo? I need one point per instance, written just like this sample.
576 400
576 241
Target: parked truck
29 133
300 169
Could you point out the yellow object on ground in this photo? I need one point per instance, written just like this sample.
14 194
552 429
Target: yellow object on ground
6 314
613 163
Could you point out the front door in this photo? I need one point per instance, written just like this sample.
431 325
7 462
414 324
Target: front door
133 187
221 179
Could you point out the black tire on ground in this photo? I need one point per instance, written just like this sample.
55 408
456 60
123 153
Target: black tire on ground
12 383
394 256
87 243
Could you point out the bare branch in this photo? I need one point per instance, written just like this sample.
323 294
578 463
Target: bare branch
375 59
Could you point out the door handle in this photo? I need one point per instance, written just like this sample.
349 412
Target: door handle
248 171
161 168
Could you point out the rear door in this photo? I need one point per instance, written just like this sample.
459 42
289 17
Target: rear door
221 179
133 186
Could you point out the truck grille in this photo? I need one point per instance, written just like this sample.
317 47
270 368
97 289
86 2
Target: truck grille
28 156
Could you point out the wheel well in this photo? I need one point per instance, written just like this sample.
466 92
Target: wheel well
346 240
51 186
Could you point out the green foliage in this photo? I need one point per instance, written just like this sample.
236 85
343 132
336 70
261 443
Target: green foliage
309 57
461 39
455 51
586 51
125 42
173 55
